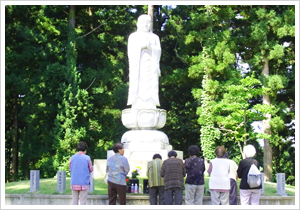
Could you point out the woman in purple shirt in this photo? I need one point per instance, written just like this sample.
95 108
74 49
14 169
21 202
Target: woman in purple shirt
194 183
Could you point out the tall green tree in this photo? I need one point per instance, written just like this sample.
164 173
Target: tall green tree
175 84
235 112
71 123
74 80
208 52
31 47
267 29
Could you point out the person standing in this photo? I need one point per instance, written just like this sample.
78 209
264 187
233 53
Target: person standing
219 182
248 195
80 167
156 182
233 177
173 172
194 183
117 168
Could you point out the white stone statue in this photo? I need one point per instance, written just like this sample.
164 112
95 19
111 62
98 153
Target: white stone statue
144 53
143 118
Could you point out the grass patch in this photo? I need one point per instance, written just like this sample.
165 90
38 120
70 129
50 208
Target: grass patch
48 186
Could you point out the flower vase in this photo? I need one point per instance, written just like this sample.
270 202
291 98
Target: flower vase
134 182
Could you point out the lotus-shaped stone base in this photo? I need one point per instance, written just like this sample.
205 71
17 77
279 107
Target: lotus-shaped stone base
144 118
145 140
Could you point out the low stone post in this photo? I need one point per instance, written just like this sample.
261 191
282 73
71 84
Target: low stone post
34 180
61 181
262 183
91 185
281 183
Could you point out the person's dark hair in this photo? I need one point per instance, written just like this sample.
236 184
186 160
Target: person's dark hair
220 151
193 150
156 156
172 153
226 155
117 146
81 146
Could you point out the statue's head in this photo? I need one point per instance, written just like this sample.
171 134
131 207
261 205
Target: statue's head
144 23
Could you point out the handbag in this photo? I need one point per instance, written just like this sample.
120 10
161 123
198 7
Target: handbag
254 177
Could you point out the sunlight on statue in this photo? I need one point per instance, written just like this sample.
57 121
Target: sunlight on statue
144 53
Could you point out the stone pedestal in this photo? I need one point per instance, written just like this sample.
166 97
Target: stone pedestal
135 155
144 140
144 118
134 161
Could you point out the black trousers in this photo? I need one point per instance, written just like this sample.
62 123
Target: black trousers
114 190
174 194
233 192
154 192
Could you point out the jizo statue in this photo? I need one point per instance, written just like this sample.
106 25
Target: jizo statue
144 53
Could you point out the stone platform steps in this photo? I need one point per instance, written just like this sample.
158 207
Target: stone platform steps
39 199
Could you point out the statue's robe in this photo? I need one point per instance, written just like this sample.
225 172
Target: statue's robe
144 70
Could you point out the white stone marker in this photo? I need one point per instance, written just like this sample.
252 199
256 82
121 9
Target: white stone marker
91 185
281 183
61 181
262 183
34 180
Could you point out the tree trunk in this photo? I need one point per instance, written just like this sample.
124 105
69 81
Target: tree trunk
72 16
15 143
266 128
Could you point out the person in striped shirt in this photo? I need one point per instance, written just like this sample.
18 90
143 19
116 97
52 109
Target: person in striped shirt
80 167
173 171
155 182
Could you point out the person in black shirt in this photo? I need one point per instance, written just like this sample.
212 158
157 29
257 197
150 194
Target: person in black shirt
248 195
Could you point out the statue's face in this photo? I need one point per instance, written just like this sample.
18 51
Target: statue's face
144 23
